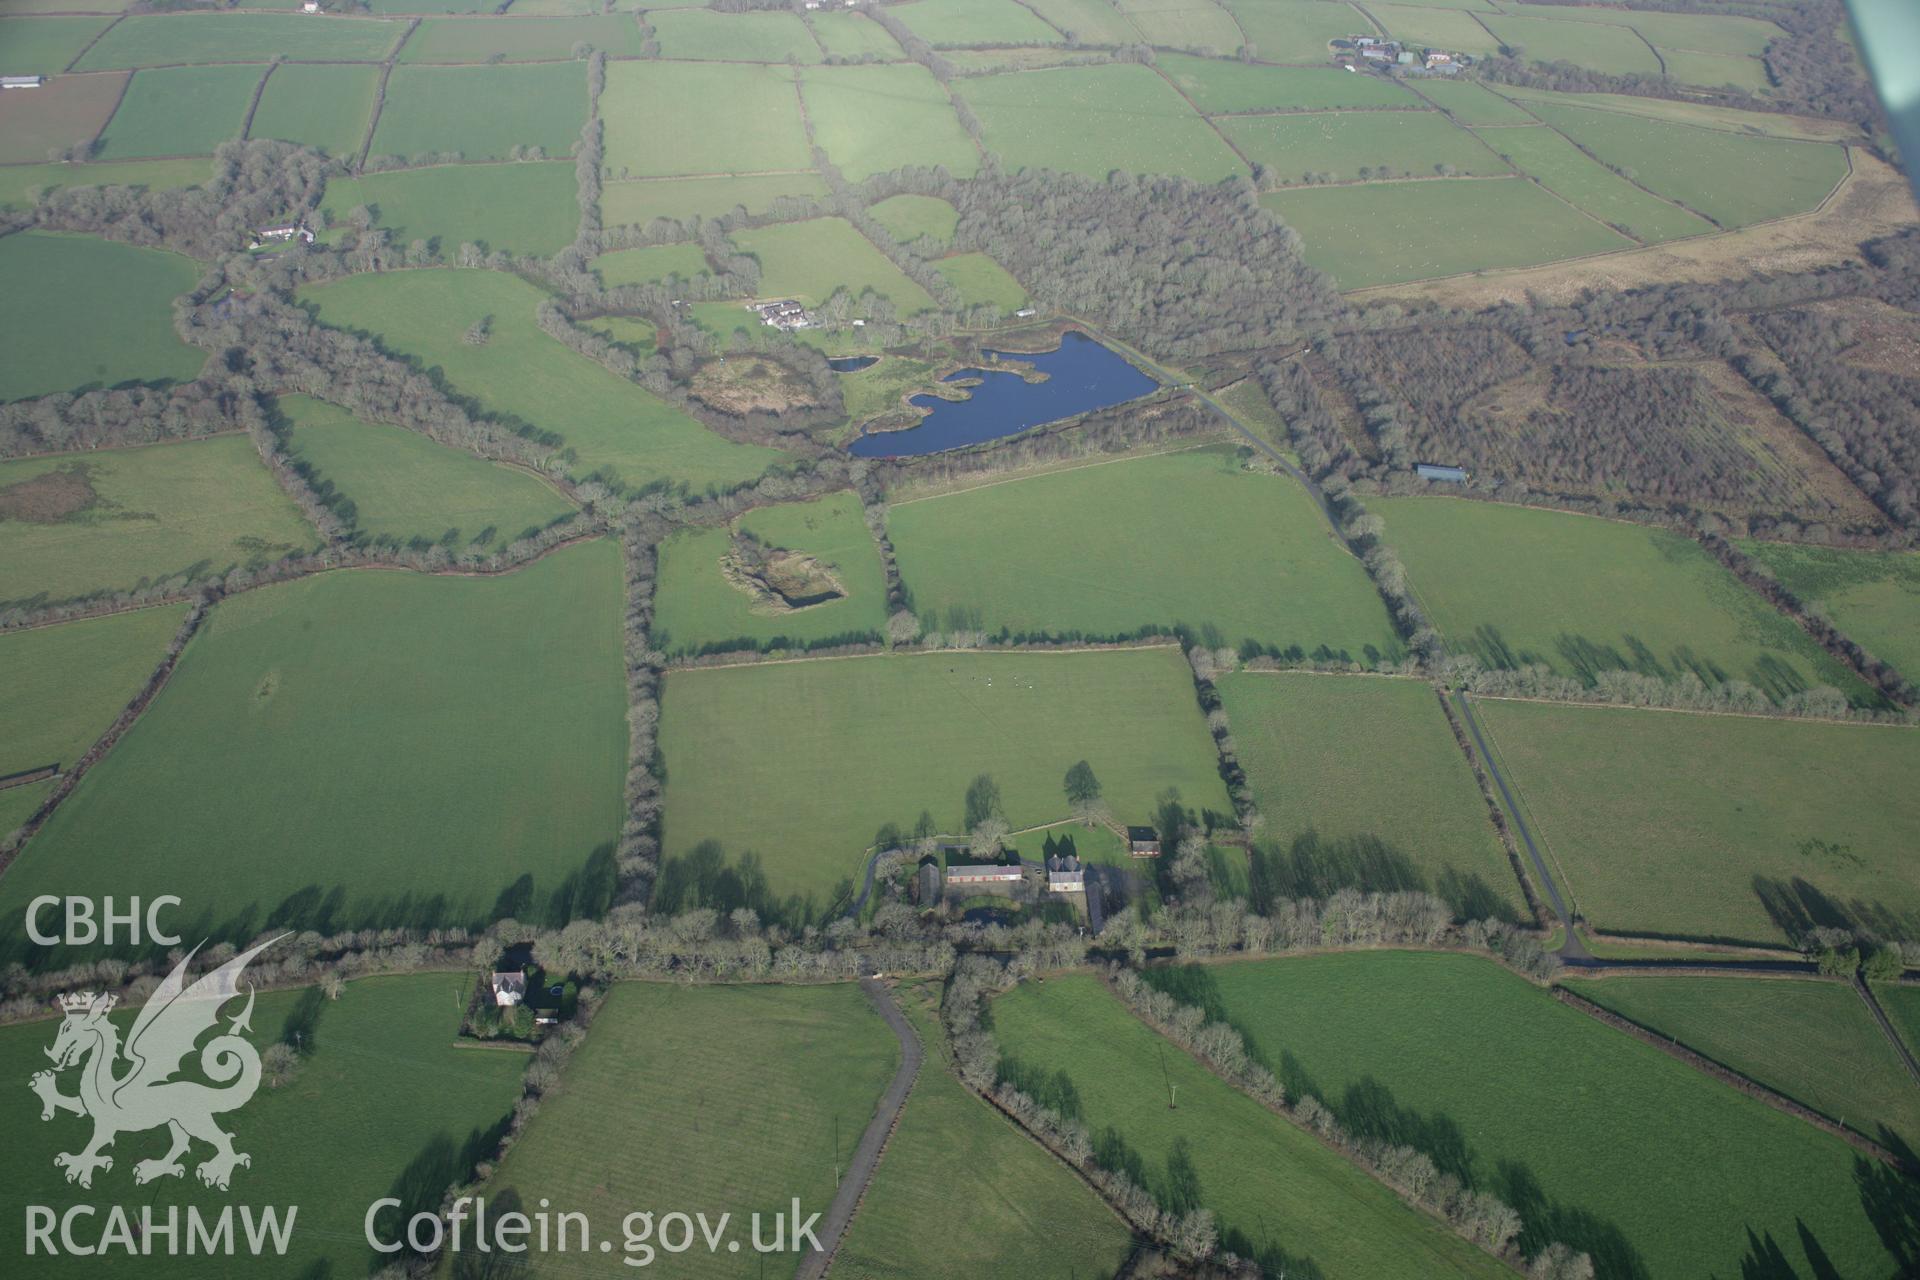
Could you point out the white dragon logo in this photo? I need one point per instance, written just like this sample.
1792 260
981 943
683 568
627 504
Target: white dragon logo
147 1096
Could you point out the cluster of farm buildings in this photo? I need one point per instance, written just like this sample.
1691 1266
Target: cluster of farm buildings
784 314
1372 50
1058 874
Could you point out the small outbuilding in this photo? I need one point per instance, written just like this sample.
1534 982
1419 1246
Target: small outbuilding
1143 842
1440 472
21 82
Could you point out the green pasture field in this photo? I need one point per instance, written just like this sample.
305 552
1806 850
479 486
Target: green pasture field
852 35
157 40
63 112
1483 6
1248 401
520 39
44 45
1089 21
18 7
318 105
1764 1028
18 182
1008 1206
17 804
1715 70
1733 828
1706 32
1404 143
1873 596
1581 180
451 6
704 35
623 203
1516 585
179 111
102 314
1707 115
1372 759
1385 233
974 22
1732 179
488 742
1297 30
674 118
879 388
809 260
653 263
1018 58
1274 1190
410 489
695 607
1652 1167
736 1098
909 217
66 683
1197 26
1093 120
523 374
803 762
875 119
1222 86
383 1078
980 279
1472 103
1087 551
1901 1004
631 332
1450 29
482 112
1597 46
1090 844
517 208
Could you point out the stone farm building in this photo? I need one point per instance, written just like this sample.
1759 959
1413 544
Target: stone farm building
1143 842
983 873
1065 875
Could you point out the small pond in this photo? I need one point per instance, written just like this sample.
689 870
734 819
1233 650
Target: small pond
851 364
1081 375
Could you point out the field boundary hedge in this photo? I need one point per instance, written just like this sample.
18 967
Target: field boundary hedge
1727 1075
12 843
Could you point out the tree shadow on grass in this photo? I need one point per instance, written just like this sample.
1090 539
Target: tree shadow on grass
1368 1109
1546 1220
423 1184
1891 1201
1315 866
702 877
1797 907
586 892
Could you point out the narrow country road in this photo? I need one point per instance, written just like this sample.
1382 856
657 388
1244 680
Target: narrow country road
1886 1027
1572 951
866 1156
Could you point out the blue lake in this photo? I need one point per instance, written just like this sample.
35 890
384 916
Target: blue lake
1081 375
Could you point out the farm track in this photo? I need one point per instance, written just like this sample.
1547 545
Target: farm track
1887 1029
866 1156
